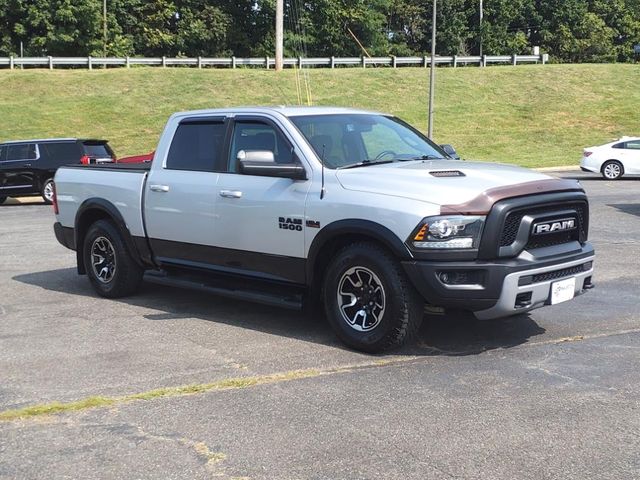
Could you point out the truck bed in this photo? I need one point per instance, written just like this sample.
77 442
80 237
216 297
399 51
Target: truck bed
119 185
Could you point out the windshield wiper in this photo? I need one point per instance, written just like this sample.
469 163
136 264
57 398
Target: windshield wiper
365 163
428 157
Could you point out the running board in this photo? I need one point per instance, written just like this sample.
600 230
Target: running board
240 289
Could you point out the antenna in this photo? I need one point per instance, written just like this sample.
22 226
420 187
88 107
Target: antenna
322 189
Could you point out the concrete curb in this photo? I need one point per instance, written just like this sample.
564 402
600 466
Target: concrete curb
24 200
564 168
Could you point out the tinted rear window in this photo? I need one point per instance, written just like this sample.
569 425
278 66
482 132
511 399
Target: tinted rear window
100 150
63 153
196 146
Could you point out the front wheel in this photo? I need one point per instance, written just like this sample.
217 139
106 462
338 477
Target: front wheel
47 191
111 269
369 301
612 170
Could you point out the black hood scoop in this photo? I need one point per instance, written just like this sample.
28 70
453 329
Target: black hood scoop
447 173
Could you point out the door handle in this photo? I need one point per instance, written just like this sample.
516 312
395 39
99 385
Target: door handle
230 194
159 188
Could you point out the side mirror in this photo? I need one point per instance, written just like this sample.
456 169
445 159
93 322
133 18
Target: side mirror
262 163
449 150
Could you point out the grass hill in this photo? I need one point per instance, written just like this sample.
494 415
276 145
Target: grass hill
529 115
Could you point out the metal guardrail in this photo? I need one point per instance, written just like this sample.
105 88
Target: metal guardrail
267 62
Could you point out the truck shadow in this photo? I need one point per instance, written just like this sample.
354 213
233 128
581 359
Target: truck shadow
454 334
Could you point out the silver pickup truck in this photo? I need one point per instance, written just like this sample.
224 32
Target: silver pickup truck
353 211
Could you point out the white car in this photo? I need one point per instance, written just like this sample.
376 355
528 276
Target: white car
613 160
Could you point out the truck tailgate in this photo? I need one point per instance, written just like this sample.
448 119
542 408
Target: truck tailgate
122 187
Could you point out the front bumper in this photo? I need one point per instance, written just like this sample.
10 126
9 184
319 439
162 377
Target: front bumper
503 287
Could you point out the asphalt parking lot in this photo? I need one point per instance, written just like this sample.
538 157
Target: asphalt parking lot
554 394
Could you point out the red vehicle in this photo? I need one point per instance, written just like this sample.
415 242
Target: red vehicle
146 158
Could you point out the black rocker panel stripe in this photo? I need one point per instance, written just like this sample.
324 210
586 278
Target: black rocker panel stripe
226 260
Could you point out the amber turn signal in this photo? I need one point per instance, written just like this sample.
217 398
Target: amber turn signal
420 235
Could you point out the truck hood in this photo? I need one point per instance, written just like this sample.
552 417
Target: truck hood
416 180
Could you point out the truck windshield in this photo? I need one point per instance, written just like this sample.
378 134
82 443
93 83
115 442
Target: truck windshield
344 140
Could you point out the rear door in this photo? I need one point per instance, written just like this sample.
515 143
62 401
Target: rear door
59 154
260 220
180 195
20 161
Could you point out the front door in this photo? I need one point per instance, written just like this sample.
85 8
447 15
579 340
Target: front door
632 157
18 165
260 220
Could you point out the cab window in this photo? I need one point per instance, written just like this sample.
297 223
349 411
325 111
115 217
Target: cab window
256 135
635 145
196 146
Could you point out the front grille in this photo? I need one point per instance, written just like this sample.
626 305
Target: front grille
550 240
557 274
514 219
510 229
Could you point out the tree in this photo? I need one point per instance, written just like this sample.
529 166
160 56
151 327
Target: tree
569 30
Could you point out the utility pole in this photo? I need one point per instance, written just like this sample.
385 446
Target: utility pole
432 79
279 33
480 25
104 28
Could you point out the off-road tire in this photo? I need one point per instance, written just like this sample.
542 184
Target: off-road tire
403 306
127 274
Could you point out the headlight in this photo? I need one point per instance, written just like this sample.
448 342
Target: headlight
450 232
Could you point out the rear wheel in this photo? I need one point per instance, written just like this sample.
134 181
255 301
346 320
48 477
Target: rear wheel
2 199
47 191
110 267
369 301
612 170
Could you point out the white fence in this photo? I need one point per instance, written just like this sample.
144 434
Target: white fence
267 62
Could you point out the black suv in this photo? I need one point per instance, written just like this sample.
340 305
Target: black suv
27 167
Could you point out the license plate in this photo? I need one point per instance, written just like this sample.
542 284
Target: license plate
563 290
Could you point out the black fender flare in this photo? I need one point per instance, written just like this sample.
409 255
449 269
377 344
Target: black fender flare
354 227
112 212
